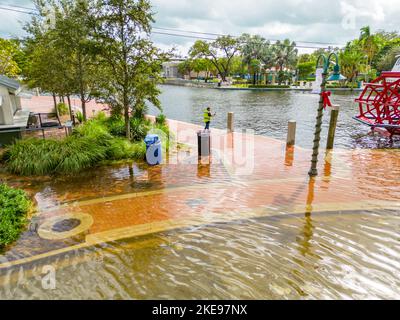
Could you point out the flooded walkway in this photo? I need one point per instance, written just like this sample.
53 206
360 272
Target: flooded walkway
247 223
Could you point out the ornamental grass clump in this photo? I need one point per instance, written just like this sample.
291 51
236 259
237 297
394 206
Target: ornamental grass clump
90 144
14 209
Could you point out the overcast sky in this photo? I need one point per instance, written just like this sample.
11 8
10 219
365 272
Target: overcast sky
327 21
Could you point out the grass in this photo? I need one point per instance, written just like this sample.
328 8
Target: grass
95 141
14 209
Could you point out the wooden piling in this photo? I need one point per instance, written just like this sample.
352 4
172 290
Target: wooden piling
230 121
291 135
332 127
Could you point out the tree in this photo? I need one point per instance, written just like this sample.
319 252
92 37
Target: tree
306 68
352 61
387 61
303 58
370 45
253 51
285 55
61 57
219 52
74 36
186 67
46 66
131 62
8 64
383 53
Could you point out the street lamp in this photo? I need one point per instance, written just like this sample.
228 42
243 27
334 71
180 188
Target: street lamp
324 62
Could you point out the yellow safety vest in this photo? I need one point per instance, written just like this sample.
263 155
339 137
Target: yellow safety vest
207 117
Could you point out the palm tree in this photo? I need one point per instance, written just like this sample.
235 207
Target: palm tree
267 58
252 53
371 45
352 61
285 55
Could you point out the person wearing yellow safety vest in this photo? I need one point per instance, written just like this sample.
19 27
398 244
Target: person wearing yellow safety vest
207 118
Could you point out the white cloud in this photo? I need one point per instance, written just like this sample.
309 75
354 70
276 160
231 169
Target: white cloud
333 21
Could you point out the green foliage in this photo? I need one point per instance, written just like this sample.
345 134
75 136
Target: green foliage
62 59
120 149
14 207
62 109
9 53
306 68
161 119
387 61
89 144
352 61
116 126
79 117
228 45
139 128
132 65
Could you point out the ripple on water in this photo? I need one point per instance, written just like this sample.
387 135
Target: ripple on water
328 256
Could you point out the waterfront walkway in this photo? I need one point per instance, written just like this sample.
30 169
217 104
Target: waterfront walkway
247 177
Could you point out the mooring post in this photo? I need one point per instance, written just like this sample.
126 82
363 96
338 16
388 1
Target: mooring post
291 135
230 121
332 127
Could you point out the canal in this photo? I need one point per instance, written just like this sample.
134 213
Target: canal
194 231
267 113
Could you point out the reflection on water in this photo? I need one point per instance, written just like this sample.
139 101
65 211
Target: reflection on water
276 244
268 113
328 256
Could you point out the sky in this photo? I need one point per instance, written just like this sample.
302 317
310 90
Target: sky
304 21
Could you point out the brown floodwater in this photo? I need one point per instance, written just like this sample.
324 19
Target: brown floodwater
253 241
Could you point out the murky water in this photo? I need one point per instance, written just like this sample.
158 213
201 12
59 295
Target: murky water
267 113
269 235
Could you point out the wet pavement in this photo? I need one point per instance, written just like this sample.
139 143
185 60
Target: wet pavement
245 223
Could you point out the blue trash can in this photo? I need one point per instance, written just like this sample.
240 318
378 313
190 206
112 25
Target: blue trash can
153 149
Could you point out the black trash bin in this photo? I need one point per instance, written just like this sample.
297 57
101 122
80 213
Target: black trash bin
204 143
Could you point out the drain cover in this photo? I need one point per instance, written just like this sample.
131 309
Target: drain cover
66 225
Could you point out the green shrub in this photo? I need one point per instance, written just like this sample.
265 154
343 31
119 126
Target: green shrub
14 208
121 148
95 129
77 154
79 117
116 126
89 144
32 156
62 109
161 119
139 128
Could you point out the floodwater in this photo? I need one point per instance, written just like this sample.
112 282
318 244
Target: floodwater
268 112
271 234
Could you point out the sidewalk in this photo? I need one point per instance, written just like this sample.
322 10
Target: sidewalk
265 179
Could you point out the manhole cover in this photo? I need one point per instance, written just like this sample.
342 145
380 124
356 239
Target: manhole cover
66 225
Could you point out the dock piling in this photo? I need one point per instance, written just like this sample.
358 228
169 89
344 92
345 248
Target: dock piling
332 127
230 121
291 135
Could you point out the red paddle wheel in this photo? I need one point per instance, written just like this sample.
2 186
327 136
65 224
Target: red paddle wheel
379 103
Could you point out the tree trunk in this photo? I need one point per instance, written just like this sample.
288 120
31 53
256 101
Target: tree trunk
83 103
127 122
126 117
55 101
70 108
254 78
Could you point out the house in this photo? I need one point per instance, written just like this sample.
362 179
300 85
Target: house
12 118
170 69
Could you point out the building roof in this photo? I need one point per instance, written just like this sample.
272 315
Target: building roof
10 84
